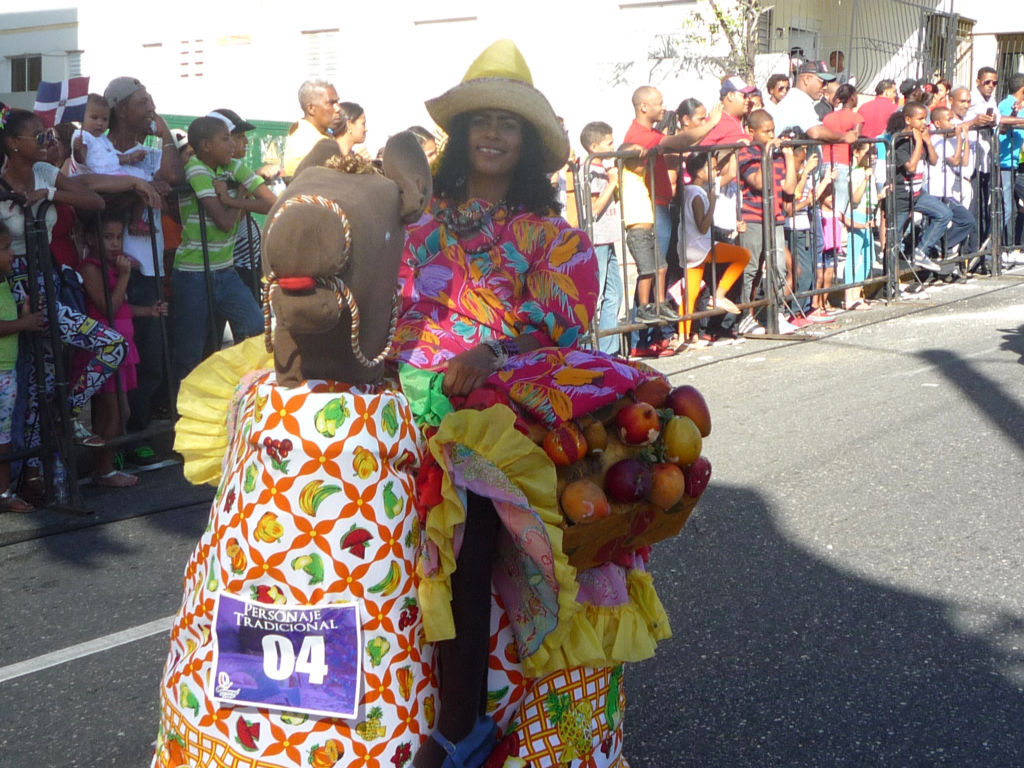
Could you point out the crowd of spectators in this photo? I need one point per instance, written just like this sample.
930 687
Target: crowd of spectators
825 197
155 249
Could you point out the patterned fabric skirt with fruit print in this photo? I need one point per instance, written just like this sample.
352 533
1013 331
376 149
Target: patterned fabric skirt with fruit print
314 506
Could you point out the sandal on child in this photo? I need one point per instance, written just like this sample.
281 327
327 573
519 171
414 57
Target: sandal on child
84 437
11 502
115 479
472 751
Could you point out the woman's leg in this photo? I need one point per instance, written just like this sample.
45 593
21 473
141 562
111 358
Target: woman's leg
109 349
463 661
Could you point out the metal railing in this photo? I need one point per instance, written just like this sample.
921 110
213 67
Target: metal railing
894 248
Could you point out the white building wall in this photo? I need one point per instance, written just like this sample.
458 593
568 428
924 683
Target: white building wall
587 57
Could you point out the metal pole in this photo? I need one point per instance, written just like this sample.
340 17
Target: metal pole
158 275
40 252
212 342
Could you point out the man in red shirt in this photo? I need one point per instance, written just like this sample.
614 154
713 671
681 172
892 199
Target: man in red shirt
877 111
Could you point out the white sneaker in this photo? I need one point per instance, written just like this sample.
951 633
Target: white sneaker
785 326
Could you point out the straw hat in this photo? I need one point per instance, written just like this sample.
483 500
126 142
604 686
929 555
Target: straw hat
500 79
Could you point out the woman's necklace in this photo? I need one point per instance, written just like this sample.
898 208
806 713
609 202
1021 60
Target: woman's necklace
476 224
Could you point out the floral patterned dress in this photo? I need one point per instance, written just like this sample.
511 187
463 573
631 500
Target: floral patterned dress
478 271
314 506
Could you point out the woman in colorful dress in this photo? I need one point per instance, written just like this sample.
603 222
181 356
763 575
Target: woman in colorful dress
492 272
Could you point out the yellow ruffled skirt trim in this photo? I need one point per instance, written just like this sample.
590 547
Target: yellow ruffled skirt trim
600 636
204 402
492 435
585 635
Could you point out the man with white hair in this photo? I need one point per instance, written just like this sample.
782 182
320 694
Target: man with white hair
321 118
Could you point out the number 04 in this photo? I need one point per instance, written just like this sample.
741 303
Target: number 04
279 662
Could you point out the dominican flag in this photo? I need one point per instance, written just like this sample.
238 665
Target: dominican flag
62 102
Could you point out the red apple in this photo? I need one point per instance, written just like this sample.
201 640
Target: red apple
565 444
697 476
653 391
667 486
682 441
627 480
688 401
638 424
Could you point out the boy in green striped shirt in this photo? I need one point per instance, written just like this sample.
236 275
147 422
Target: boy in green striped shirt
208 174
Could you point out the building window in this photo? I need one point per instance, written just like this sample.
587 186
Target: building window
765 25
74 63
320 49
26 72
193 57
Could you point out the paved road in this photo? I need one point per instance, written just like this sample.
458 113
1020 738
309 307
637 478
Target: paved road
848 593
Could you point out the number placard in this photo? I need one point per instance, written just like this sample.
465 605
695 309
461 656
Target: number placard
293 658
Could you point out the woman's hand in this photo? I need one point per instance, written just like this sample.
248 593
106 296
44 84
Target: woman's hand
148 193
468 371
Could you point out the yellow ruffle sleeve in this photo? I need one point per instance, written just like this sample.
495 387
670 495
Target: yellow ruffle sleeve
204 403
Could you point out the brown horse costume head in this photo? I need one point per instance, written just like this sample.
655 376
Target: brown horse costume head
331 252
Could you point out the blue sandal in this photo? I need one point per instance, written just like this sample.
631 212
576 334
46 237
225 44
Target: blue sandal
473 750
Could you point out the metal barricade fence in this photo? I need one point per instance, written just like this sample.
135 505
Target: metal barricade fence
886 244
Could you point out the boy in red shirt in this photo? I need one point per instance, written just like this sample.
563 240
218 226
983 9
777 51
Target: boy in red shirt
755 190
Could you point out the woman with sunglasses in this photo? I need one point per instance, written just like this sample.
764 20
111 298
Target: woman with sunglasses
28 181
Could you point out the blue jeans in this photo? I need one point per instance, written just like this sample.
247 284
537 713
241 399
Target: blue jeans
799 242
938 214
190 317
609 281
1013 188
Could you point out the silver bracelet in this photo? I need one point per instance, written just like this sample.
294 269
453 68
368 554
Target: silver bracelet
500 355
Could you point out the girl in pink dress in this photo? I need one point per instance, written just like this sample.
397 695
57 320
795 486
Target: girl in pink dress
112 267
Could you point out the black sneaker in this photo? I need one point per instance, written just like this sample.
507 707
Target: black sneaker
667 313
646 313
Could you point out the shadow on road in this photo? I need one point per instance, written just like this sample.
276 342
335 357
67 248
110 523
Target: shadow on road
780 659
1013 341
988 396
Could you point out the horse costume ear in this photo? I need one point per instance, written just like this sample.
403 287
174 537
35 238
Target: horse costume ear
406 165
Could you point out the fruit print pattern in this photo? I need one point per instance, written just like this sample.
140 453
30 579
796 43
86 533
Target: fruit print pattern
315 505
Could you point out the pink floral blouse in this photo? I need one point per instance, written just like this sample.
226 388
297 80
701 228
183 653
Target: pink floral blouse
475 272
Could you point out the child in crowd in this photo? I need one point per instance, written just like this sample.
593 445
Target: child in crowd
208 173
864 199
797 227
92 150
639 217
11 324
835 235
248 244
604 182
695 239
912 151
105 272
754 189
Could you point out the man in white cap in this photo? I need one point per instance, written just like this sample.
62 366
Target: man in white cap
133 118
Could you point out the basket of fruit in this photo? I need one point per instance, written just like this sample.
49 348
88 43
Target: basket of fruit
629 473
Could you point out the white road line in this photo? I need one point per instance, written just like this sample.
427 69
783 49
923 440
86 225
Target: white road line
100 644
